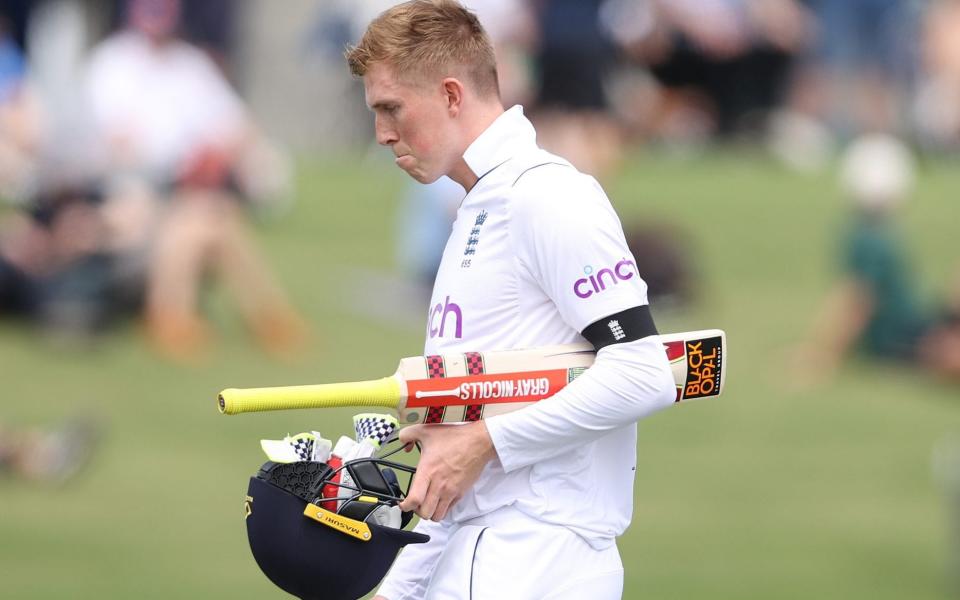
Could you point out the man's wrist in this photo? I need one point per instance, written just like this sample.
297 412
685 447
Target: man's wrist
499 441
485 442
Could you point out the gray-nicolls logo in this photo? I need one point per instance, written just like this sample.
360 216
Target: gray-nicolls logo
616 330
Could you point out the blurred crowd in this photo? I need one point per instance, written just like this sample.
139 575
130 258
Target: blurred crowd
805 75
132 167
135 168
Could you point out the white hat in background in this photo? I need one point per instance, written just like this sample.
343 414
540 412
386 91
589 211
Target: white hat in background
877 171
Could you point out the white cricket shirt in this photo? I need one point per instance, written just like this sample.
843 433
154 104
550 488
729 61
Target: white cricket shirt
537 254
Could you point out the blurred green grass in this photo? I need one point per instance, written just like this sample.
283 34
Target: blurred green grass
770 492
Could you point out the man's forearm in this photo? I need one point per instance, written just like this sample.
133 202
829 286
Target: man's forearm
626 383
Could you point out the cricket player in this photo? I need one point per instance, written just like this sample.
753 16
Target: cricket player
528 504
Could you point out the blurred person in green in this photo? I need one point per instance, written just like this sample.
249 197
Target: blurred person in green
874 308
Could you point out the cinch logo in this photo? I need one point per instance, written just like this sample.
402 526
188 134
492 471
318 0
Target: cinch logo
594 283
437 319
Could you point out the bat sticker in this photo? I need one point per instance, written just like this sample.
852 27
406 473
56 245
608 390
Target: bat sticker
704 366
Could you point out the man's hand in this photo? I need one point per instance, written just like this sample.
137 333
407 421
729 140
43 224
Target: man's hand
452 457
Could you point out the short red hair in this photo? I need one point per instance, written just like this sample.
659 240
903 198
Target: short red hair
422 39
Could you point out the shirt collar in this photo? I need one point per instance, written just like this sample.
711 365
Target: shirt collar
502 140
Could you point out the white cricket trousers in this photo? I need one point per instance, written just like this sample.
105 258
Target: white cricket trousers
509 556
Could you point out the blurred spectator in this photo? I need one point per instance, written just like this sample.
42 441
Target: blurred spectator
183 156
874 308
52 455
15 14
209 25
571 109
936 110
52 267
857 77
721 65
19 132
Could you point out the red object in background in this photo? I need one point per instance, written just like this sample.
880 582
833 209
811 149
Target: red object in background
209 167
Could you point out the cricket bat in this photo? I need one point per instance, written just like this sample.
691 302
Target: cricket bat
470 386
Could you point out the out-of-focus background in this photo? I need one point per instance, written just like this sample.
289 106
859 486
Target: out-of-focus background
190 200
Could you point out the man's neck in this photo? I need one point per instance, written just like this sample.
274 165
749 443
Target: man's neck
463 175
461 172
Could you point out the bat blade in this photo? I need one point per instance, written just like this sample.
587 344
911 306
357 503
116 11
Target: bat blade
473 385
470 386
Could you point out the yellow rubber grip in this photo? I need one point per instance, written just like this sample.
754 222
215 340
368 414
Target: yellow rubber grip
376 392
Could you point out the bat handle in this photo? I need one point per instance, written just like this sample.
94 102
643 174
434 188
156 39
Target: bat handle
385 393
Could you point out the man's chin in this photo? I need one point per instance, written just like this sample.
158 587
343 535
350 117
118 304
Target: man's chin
421 177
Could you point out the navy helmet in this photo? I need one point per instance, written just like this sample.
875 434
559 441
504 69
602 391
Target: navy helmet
319 545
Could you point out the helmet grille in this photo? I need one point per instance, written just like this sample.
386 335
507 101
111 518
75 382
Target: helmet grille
302 479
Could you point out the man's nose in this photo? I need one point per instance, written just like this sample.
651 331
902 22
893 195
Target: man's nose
386 135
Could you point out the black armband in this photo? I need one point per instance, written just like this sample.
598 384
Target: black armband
619 328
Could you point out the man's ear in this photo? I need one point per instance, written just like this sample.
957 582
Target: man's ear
453 93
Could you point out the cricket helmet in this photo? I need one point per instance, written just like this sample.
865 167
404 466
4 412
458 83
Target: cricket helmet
319 545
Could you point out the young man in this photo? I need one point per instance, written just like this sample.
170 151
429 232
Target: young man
528 504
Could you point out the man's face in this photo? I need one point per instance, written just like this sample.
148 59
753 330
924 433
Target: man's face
414 121
158 19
